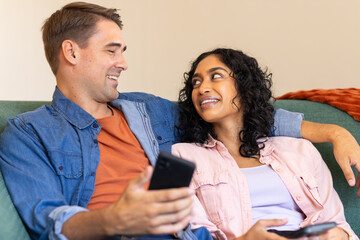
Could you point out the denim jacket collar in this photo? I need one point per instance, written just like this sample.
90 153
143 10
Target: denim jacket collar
71 111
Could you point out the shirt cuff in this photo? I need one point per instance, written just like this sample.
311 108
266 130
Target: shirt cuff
186 234
287 123
58 217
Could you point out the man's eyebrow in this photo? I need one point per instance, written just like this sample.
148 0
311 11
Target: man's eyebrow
210 71
114 44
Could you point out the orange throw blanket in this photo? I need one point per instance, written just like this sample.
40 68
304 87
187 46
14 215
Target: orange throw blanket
347 99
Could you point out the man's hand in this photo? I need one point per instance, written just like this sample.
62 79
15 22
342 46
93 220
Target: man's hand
139 211
346 148
347 154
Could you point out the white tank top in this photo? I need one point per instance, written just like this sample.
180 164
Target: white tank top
270 197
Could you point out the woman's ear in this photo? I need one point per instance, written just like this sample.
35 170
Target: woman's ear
69 50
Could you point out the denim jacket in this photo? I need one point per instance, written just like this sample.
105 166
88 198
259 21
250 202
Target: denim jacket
49 156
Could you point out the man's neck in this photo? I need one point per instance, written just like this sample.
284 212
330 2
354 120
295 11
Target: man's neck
94 108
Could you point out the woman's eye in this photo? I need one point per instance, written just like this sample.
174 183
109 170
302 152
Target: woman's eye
217 75
111 51
195 82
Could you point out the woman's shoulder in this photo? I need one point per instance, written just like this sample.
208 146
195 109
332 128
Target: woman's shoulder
186 146
290 149
290 143
187 149
195 152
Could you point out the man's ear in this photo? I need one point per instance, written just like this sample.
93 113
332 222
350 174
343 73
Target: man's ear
70 50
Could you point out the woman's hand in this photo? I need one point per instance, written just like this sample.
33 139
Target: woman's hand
259 230
334 234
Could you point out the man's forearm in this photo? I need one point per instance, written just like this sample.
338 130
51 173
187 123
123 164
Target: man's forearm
86 225
319 132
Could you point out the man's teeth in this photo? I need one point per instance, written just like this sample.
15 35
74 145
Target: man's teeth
207 101
113 77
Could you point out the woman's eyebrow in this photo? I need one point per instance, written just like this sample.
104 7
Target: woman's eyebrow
210 71
216 68
196 75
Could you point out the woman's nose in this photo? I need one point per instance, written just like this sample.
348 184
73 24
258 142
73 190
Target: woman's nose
204 87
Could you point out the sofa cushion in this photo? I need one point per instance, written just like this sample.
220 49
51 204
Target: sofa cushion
11 226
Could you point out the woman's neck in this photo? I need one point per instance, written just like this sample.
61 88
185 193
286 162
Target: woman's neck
229 134
227 131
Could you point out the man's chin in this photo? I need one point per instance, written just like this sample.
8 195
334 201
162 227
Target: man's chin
115 96
111 96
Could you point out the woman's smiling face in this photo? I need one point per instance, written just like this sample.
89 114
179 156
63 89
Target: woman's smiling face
214 94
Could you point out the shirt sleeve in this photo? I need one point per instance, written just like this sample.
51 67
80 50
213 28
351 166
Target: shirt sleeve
34 187
58 217
287 123
199 217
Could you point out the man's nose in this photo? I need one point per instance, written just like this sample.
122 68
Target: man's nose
121 63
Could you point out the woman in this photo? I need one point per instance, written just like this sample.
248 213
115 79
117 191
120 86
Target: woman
242 175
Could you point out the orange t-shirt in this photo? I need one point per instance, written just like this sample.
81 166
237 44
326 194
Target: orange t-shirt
121 159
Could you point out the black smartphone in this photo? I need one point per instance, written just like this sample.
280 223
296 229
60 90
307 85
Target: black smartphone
171 172
308 231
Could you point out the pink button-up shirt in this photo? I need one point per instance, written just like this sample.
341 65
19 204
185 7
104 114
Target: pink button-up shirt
222 203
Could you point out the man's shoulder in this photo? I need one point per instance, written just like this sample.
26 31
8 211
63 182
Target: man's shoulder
140 96
42 116
34 114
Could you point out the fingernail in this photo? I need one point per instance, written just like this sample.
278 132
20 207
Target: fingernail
351 182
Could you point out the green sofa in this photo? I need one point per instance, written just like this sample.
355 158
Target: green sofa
12 228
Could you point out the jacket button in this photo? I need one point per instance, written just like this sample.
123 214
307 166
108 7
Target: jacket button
96 141
298 198
61 167
159 137
95 125
93 173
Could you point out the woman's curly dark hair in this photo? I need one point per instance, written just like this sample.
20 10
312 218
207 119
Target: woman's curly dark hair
253 88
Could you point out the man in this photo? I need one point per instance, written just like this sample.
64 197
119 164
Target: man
78 169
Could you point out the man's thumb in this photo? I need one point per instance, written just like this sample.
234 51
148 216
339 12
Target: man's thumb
142 179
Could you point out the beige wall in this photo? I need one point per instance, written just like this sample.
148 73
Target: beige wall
307 44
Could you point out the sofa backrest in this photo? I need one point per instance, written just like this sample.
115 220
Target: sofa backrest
12 228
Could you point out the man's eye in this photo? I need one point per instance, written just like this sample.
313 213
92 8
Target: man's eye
111 51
